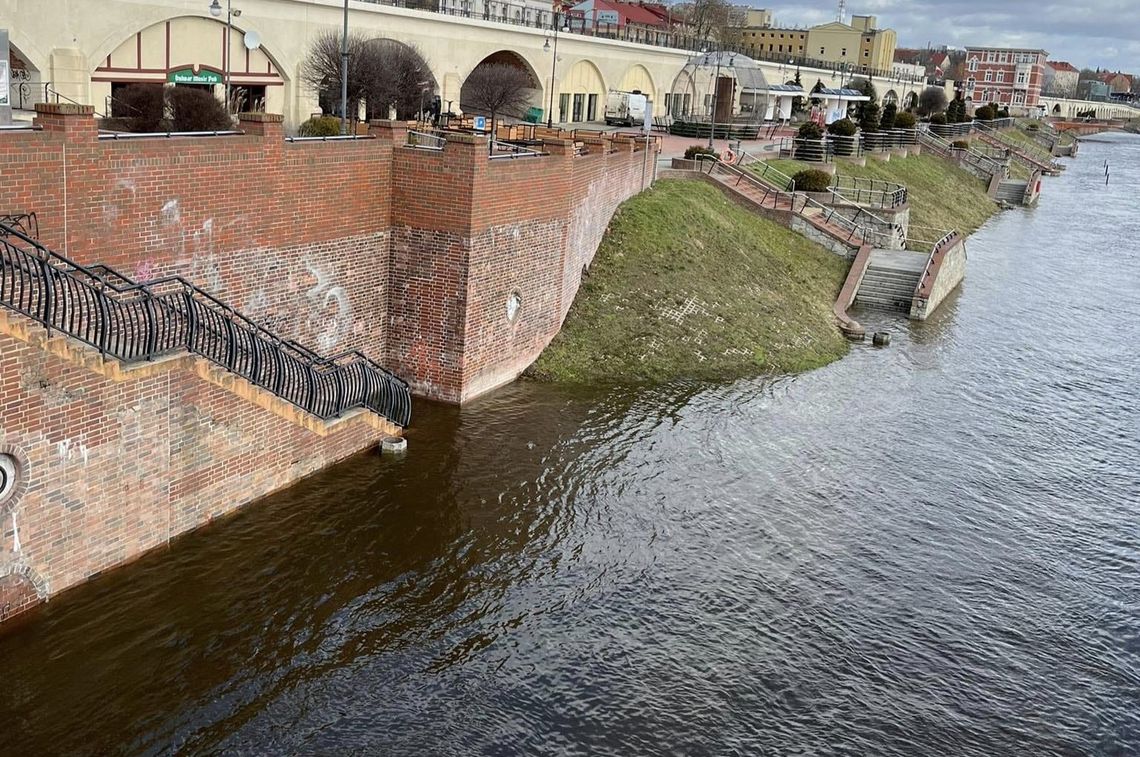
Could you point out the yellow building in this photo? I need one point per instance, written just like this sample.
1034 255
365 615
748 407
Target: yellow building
860 44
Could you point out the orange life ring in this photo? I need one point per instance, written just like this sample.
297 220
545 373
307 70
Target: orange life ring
729 156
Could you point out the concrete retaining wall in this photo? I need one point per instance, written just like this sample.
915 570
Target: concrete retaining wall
945 271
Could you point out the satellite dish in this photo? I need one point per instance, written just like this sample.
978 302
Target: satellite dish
252 40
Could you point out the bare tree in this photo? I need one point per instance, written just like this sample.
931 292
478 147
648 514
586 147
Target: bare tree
710 20
496 88
321 69
398 74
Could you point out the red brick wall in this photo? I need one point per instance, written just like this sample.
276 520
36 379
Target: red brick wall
115 468
407 254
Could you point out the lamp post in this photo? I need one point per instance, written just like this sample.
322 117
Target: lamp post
344 75
216 11
553 68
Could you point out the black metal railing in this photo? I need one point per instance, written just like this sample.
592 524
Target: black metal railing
134 321
873 192
763 192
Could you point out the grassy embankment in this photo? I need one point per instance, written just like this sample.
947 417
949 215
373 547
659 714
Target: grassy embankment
687 283
942 196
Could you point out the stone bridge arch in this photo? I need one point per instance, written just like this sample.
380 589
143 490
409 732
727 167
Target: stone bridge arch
510 58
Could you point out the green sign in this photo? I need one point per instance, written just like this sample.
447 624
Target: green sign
187 76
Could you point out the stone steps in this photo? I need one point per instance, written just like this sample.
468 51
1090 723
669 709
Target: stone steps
891 280
1012 192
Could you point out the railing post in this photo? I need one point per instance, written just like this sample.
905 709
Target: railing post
151 326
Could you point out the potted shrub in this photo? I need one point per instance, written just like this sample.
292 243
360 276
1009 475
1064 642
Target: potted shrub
844 131
814 183
692 159
984 113
809 143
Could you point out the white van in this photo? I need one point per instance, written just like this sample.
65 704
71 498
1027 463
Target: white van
625 108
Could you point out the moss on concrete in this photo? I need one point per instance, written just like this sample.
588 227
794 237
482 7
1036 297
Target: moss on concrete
687 283
942 196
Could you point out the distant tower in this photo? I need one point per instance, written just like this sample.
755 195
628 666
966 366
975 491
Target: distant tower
842 11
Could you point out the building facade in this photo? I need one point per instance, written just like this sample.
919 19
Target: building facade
860 45
1061 79
1007 77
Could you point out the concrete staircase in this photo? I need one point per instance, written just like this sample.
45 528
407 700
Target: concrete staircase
891 279
1011 191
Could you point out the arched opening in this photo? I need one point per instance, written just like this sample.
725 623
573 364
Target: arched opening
192 51
911 101
891 97
1057 108
531 94
638 79
24 80
581 94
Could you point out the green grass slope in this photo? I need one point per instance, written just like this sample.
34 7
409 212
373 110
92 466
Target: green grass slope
942 196
687 283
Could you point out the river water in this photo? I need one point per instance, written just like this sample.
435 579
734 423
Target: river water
928 549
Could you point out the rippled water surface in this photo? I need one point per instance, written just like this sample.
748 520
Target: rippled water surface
929 549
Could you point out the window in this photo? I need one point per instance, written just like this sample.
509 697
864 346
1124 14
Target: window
971 83
843 53
592 108
563 107
822 52
973 64
1003 57
989 75
866 53
990 56
579 101
1019 98
1021 77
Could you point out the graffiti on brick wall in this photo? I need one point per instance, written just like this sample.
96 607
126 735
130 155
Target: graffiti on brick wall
330 312
71 450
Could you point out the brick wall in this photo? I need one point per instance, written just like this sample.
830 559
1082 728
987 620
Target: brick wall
409 255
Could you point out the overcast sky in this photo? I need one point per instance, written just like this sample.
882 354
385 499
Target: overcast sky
1092 33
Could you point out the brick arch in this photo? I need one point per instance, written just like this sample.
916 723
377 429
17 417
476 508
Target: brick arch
21 587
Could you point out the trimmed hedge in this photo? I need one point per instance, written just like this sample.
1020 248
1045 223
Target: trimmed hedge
811 180
960 144
320 126
810 130
844 127
693 152
904 120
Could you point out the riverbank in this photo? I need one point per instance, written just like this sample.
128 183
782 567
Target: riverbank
688 284
941 195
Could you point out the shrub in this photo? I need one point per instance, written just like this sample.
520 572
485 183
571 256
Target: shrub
1003 113
196 110
320 126
811 180
869 116
810 130
890 114
960 144
1033 126
904 120
844 127
142 107
939 119
984 113
693 152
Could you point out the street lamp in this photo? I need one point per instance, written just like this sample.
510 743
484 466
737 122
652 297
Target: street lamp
344 75
553 68
216 11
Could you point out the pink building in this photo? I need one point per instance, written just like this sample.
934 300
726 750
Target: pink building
1006 76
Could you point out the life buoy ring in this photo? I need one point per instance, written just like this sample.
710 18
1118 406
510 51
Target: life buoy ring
729 156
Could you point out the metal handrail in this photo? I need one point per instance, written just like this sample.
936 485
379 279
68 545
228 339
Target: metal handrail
974 158
423 140
1022 151
134 322
875 192
118 135
921 289
769 172
332 138
769 192
501 150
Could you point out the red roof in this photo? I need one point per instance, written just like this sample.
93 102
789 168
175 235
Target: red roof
1062 65
632 13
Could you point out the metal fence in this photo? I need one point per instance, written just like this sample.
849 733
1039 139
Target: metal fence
873 192
141 321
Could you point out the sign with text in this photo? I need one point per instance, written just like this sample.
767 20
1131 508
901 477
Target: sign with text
480 123
188 76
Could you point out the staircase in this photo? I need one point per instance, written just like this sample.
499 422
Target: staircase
770 197
137 322
891 280
1035 162
1011 191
